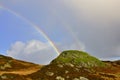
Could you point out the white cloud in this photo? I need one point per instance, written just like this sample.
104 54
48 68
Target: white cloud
32 51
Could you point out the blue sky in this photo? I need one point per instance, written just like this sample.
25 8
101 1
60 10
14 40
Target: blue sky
13 29
89 25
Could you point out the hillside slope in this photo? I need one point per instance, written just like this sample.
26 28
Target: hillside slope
15 69
78 65
69 65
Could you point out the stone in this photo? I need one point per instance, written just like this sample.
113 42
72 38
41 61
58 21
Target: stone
83 78
49 73
60 65
60 78
76 79
66 72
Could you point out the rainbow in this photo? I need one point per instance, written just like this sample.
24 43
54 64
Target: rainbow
37 28
67 26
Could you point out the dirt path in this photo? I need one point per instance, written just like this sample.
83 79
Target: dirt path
22 71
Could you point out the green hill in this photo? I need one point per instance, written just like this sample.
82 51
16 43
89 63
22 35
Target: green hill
78 58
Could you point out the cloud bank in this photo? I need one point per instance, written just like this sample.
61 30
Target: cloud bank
95 23
32 51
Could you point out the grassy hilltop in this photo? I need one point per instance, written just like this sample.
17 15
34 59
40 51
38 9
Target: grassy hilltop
78 58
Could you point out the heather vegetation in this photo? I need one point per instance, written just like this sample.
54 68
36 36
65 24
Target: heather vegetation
69 65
